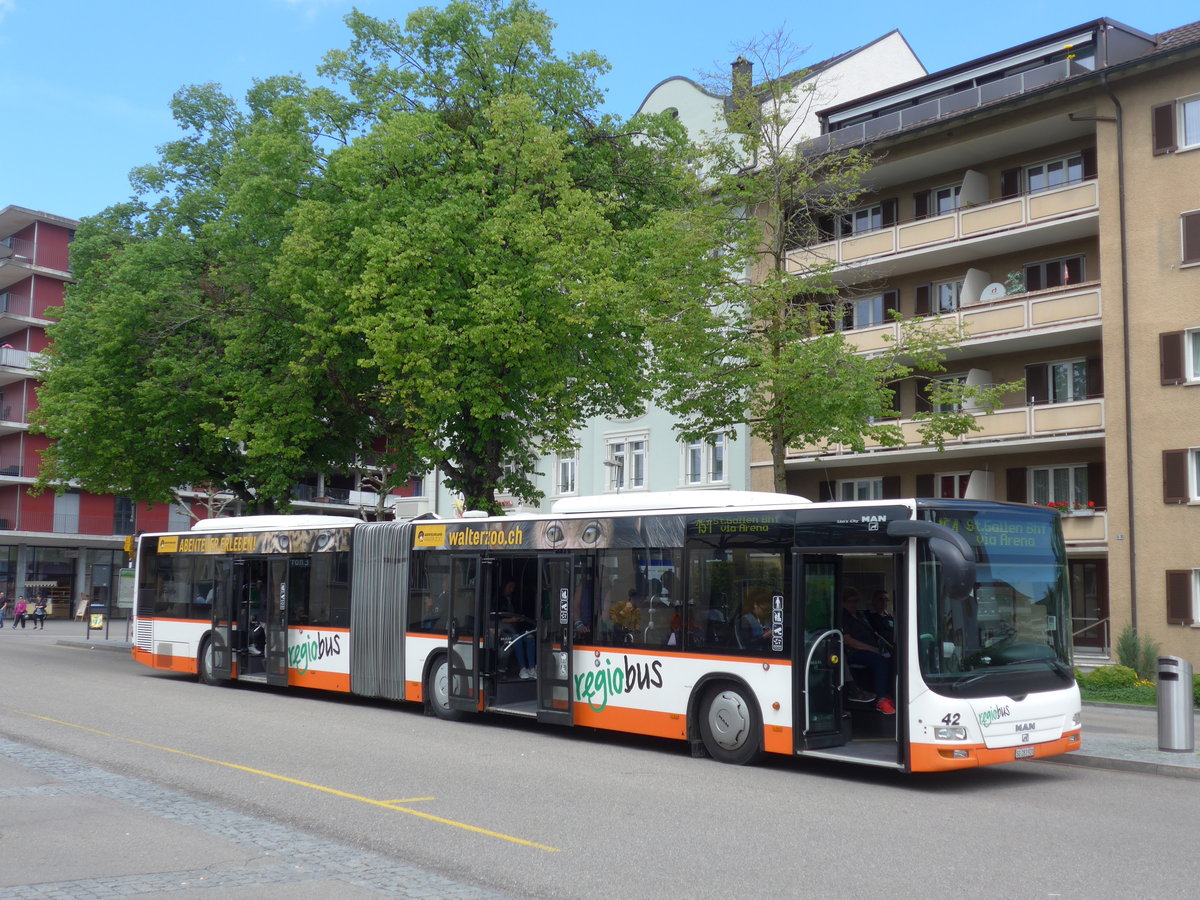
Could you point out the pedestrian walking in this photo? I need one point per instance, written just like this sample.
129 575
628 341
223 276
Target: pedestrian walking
19 611
39 614
3 607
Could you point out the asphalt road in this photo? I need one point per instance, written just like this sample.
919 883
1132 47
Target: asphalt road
533 811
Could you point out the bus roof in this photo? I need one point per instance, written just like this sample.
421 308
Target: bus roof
251 523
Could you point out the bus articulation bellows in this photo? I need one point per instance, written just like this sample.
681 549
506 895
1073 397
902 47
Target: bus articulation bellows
726 625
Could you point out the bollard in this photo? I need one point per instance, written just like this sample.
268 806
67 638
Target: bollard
1176 727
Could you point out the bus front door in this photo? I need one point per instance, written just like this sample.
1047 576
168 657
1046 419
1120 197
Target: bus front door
466 626
822 652
561 581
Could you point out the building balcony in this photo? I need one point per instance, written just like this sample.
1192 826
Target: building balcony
1058 425
1085 527
1002 226
28 258
1023 321
16 365
17 313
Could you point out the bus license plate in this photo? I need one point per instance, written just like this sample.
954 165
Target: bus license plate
1024 753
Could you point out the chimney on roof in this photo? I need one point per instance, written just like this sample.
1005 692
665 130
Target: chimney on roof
743 77
736 106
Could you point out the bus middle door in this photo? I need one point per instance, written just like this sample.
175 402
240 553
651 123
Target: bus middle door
822 669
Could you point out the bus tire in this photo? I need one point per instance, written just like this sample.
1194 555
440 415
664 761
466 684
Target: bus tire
730 725
204 664
437 690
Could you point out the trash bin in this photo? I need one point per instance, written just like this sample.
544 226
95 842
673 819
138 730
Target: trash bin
1176 728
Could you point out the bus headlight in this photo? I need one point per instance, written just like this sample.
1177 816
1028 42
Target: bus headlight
949 733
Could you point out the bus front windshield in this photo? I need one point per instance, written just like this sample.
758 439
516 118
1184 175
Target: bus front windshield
1011 633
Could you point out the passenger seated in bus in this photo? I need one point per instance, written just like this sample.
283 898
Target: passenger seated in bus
754 627
863 650
516 630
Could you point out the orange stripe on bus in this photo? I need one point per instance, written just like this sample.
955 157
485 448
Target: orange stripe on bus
322 681
414 690
634 721
940 757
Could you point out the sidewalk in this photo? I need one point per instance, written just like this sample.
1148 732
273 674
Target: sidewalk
1122 738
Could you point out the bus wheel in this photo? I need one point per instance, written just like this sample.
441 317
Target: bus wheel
204 663
729 726
437 689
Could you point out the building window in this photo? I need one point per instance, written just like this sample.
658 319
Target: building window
1189 122
869 218
566 469
626 463
1189 226
1059 486
1049 175
1054 273
952 486
1063 382
122 515
946 200
704 460
868 311
948 382
1183 590
860 489
948 293
1192 343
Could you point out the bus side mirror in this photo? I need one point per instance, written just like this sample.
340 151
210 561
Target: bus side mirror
951 549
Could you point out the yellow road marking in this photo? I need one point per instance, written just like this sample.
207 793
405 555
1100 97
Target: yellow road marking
384 804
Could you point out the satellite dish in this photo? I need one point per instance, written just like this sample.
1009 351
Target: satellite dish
993 291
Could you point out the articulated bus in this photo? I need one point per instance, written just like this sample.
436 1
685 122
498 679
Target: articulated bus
717 619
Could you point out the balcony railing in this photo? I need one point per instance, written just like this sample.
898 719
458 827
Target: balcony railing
1080 417
59 523
998 217
1015 314
949 105
27 252
16 359
1085 527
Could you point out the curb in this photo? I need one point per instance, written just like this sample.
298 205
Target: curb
1125 765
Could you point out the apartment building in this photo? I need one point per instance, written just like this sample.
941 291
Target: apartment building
1045 197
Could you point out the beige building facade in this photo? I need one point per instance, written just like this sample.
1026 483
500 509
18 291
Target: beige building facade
1046 197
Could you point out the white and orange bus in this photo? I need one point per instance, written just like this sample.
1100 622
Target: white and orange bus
729 620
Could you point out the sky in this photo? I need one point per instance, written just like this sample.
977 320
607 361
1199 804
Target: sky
85 85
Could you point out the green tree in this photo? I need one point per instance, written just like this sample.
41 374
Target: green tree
770 354
501 248
171 344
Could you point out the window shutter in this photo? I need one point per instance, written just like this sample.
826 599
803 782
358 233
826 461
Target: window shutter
1170 357
921 205
825 227
1097 487
825 491
889 210
1175 476
1017 486
1190 222
923 403
1089 162
1162 128
891 487
1037 385
924 291
924 485
891 304
1010 183
1095 377
1179 597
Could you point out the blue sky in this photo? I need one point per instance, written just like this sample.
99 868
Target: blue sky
85 83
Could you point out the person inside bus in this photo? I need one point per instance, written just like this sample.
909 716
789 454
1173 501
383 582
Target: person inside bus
881 621
516 630
258 637
863 650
